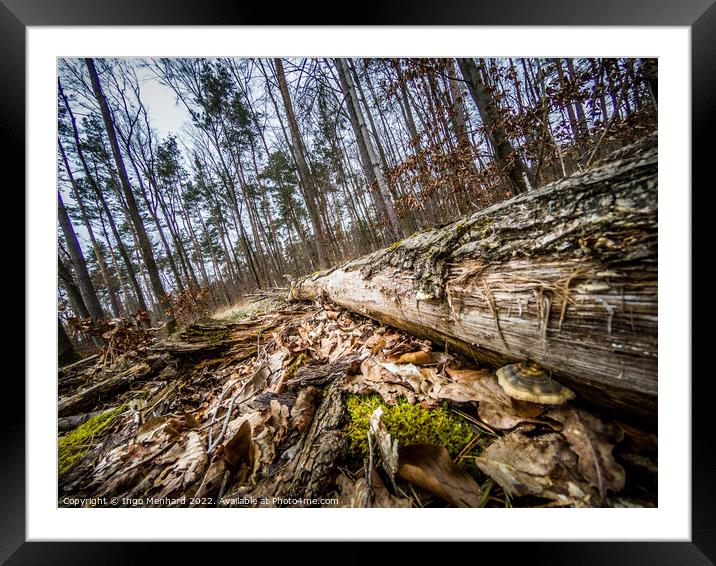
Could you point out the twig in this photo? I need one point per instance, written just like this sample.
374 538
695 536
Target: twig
479 424
219 438
224 485
369 472
246 381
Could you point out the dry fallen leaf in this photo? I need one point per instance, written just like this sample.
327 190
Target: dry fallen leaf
593 441
305 407
187 469
430 467
355 493
389 391
375 344
417 358
372 370
238 449
498 416
473 385
541 465
278 420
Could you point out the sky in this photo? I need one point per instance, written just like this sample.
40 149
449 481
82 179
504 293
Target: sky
165 115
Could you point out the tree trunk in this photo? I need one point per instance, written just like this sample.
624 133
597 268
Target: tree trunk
101 199
581 117
87 398
114 302
490 114
145 244
565 275
73 293
78 261
66 351
574 126
459 120
155 217
369 159
303 170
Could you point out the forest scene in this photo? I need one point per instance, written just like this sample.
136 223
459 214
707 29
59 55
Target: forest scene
346 282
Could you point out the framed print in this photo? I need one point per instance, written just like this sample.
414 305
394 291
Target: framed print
432 260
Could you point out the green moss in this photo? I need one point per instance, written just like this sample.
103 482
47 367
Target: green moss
207 334
76 443
408 424
395 245
300 360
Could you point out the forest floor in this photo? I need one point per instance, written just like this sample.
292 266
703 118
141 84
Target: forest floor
271 403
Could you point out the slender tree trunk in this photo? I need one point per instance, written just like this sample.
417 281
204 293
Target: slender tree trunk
365 109
78 261
581 118
370 160
576 133
491 118
155 219
303 170
186 219
144 242
73 293
100 198
116 308
214 260
130 301
66 351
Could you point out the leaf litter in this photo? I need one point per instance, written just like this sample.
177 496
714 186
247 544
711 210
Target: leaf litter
253 412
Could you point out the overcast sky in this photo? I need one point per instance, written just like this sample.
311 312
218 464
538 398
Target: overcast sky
164 113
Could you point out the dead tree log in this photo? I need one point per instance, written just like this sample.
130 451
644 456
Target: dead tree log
565 275
73 421
87 398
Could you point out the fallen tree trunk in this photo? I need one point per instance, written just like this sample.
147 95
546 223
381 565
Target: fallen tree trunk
565 275
87 398
73 421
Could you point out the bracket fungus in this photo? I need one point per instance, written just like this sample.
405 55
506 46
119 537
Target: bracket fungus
527 381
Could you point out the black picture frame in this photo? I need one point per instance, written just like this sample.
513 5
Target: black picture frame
699 15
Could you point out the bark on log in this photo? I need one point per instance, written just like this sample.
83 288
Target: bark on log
311 471
73 421
565 275
87 398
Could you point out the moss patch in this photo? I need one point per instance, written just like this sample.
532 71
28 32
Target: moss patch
293 367
395 245
76 443
206 334
408 424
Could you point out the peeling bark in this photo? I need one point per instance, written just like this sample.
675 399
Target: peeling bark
565 275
